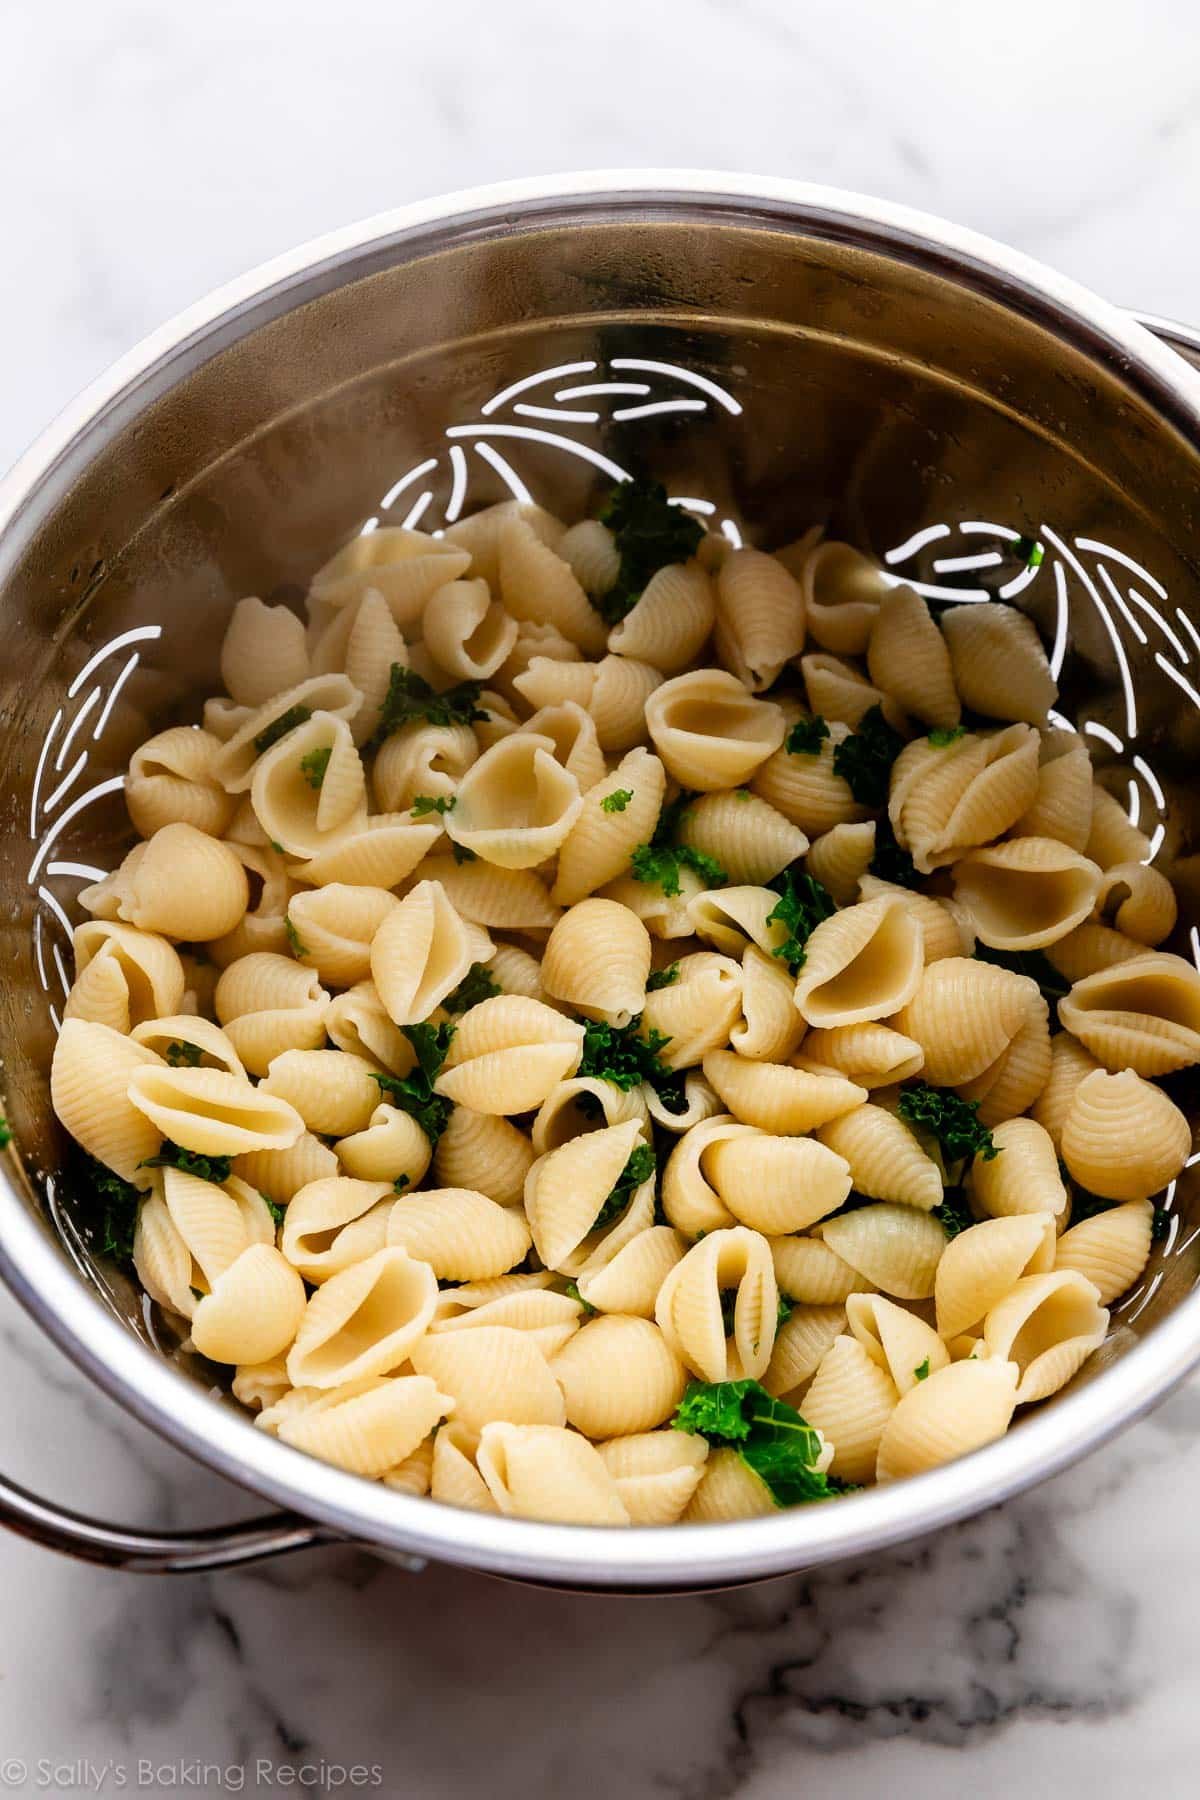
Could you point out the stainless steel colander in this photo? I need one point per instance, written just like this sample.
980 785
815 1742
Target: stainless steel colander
779 355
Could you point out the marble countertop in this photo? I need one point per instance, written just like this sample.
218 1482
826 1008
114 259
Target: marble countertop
1050 1647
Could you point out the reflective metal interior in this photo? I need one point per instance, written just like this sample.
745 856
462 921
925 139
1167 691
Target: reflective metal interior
787 357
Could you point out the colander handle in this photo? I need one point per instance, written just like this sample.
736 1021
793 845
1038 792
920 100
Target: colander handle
155 1552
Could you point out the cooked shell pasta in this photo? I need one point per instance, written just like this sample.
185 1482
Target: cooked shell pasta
947 800
709 732
365 1320
670 624
483 1152
840 857
1122 1137
253 1311
546 1472
998 662
391 1147
1062 805
123 976
865 962
884 1157
180 882
728 1489
777 1184
492 1372
1069 1063
467 633
983 1264
370 1430
752 842
689 1312
698 1010
849 1401
508 1054
1027 893
770 1028
776 1098
1139 900
336 925
805 787
842 592
800 1345
1143 1014
959 1409
516 804
619 1376
897 1248
871 1054
331 1092
1111 1249
269 1004
419 953
655 1473
597 959
908 659
896 1339
213 1113
1048 1325
333 1223
1023 1175
461 1234
760 617
170 782
422 759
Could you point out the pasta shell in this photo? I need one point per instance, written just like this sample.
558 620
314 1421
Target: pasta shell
1113 838
959 1409
536 583
1123 1138
492 1372
842 591
728 1489
479 534
770 1028
944 925
336 925
655 1473
235 763
357 1022
576 745
806 788
1062 805
1139 900
945 801
369 1432
392 1147
884 1157
865 962
618 701
999 665
671 622
484 1153
262 653
1111 1249
542 1472
216 1224
618 1376
300 805
333 1223
509 1054
601 842
1069 1063
1026 893
373 647
897 1248
405 566
760 617
908 659
269 1004
870 1054
419 953
840 857
1090 948
709 732
800 1345
253 1311
1011 1084
210 1112
453 1477
461 1234
421 759
466 631
1048 1325
585 1103
516 804
190 1032
332 1093
837 690
981 1265
364 1321
180 882
964 1015
778 1098
567 1188
170 782
777 1184
597 959
849 1401
630 1282
1023 1176
752 842
809 1272
688 1309
282 1173
591 549
896 1340
504 899
698 1010
689 1200
146 971
731 918
1143 1014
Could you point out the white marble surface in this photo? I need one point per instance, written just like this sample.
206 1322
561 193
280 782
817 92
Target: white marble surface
149 152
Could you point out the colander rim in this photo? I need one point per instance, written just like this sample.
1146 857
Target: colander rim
212 1432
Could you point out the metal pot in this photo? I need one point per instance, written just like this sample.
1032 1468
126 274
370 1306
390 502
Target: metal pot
788 354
